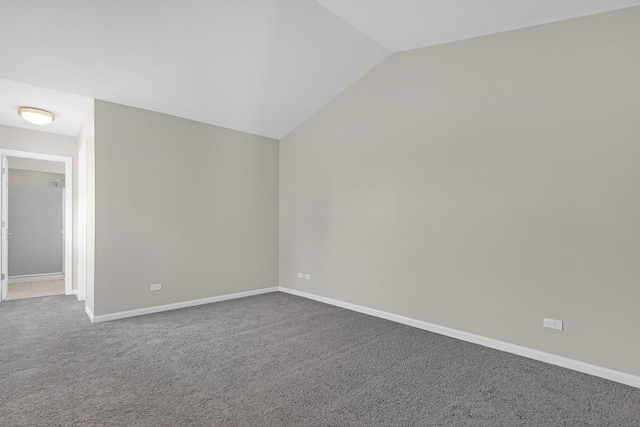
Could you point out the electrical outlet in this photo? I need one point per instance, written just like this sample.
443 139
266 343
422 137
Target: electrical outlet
156 287
552 323
300 275
307 277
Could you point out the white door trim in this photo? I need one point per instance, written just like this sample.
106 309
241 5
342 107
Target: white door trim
4 195
82 223
68 211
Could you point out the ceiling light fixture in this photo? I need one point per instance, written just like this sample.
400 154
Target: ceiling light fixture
36 115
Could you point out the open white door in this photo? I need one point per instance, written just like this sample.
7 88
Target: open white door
4 276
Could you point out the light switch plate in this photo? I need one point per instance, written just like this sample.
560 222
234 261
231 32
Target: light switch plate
307 277
156 287
300 275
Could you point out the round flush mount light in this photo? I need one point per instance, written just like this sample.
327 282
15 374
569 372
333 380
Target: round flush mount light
36 115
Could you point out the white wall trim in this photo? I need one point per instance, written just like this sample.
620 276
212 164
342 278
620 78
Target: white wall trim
174 306
68 226
598 371
82 222
89 313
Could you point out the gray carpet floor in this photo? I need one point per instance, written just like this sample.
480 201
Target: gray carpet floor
276 360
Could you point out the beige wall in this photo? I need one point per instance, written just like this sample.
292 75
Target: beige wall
23 163
13 138
20 139
30 178
482 185
182 203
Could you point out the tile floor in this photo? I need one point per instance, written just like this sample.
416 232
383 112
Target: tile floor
35 289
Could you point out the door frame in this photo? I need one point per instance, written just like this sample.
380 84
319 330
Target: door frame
82 223
68 211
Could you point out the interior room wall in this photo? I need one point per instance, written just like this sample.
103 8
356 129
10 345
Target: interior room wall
31 178
191 206
482 185
12 138
37 165
19 139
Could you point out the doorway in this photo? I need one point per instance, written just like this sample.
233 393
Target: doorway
36 225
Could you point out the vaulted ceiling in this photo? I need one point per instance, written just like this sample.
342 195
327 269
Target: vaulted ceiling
259 66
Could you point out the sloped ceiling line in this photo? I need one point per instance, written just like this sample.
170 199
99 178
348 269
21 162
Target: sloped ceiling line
258 66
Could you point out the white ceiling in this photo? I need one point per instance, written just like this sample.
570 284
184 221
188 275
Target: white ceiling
260 66
70 110
408 24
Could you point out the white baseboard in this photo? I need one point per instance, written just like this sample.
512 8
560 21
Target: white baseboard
89 313
35 278
530 353
175 306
